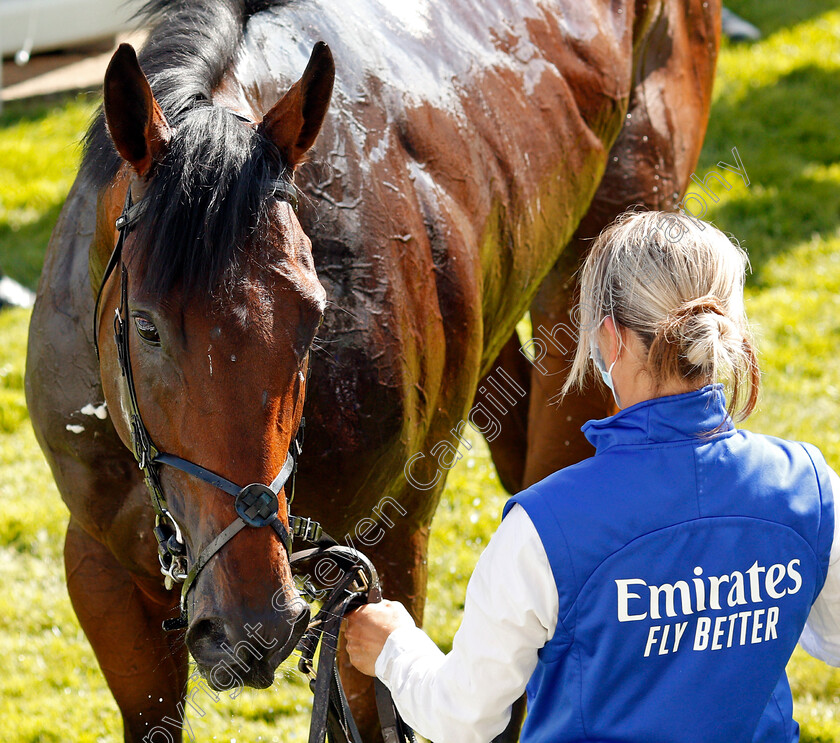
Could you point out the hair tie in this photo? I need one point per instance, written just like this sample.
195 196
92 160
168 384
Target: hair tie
701 305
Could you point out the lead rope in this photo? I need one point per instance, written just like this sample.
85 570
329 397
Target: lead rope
331 715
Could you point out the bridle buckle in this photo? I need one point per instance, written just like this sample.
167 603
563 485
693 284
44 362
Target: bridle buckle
306 529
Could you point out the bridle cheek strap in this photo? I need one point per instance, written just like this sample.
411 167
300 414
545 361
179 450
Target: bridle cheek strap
131 213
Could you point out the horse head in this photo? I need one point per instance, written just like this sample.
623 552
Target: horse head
217 304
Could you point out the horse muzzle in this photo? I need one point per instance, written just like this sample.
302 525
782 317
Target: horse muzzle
246 654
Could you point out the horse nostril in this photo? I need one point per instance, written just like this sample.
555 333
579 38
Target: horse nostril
246 652
205 638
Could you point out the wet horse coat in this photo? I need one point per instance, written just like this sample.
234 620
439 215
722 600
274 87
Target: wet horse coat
470 151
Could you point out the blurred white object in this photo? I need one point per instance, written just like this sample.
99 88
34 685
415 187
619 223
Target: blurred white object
12 293
28 26
42 25
733 26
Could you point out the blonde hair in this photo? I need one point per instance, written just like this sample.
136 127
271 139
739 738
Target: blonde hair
678 283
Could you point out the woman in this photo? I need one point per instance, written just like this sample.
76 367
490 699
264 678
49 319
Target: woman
655 591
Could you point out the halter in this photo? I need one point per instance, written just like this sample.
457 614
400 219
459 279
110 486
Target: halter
256 506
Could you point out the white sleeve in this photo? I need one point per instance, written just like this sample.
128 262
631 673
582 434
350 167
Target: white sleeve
510 612
821 636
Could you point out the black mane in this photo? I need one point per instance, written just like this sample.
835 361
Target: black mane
209 191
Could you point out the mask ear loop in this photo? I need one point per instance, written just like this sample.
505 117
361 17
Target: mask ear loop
617 335
598 360
620 345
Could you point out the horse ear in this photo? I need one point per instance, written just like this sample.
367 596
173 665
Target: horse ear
137 126
294 122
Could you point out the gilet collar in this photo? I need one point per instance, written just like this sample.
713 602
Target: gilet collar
661 419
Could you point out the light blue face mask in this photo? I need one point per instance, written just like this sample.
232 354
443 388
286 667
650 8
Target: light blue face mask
606 374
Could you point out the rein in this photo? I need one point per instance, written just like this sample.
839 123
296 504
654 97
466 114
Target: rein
331 715
256 505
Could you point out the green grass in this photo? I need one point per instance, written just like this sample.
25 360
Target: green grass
775 101
39 155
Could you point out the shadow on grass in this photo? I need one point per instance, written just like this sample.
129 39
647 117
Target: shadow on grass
770 223
36 109
772 15
786 135
24 248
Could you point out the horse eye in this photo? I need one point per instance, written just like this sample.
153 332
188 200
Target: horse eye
146 330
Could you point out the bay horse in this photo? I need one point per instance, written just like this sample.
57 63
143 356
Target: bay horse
469 152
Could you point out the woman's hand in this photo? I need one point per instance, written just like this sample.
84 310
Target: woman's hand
368 628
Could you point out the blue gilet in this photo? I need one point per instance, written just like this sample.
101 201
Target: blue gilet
685 571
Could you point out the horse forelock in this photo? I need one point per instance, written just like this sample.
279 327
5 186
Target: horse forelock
207 196
206 204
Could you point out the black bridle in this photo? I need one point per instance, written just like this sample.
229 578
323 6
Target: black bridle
257 506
